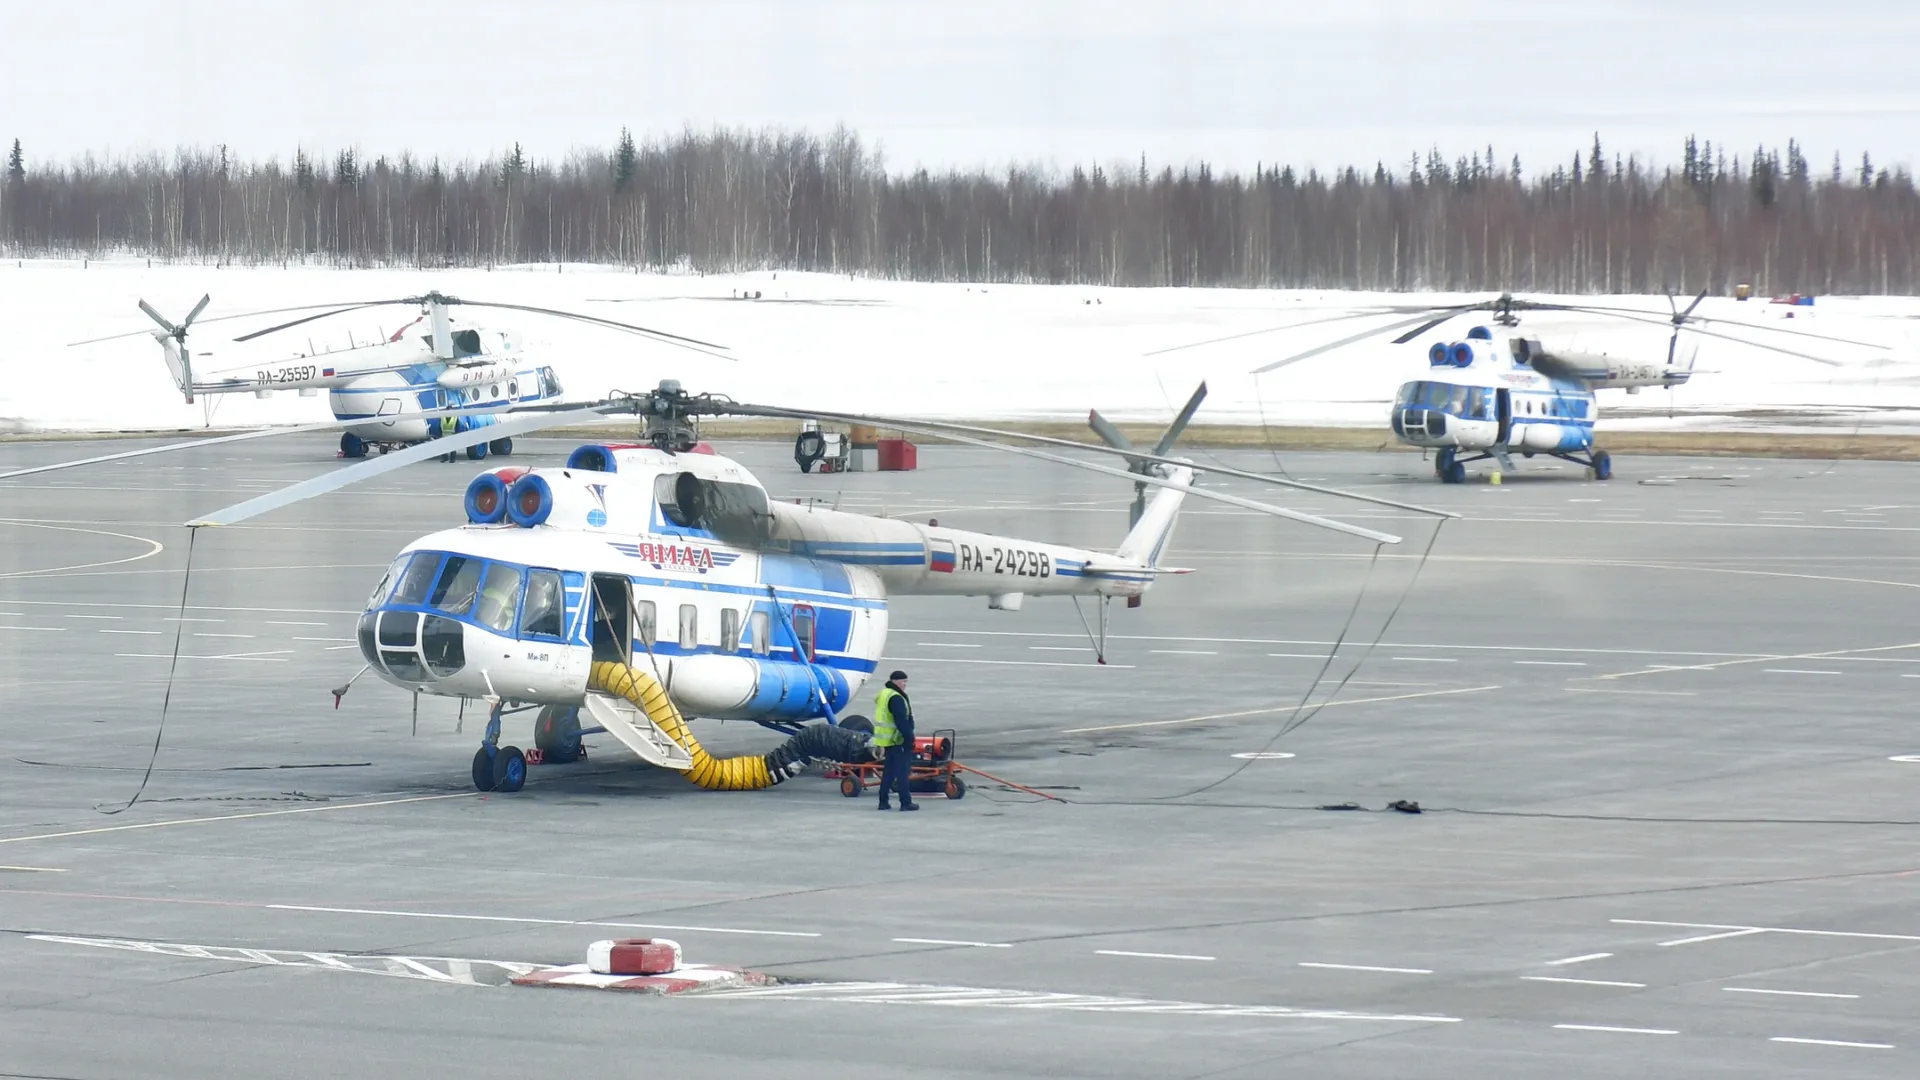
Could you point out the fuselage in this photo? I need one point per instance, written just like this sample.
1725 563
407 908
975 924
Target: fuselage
776 612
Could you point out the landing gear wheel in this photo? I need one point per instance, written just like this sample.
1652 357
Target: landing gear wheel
352 446
1447 469
557 734
483 769
1456 474
957 788
1602 465
850 786
857 723
509 769
502 447
477 452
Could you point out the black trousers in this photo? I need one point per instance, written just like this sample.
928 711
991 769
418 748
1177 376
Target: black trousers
894 774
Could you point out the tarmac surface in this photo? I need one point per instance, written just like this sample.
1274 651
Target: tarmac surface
1661 729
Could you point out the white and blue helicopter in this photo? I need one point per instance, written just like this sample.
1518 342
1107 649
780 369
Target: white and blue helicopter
1497 393
642 584
385 385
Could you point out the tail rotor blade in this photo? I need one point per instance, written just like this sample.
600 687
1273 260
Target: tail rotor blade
157 317
195 313
1180 422
1104 428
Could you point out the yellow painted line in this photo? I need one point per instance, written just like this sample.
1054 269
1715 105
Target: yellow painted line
1760 660
32 869
234 817
1278 709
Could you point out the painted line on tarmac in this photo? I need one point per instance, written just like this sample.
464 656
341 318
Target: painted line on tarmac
1789 993
1769 930
882 993
1585 982
234 817
1615 1030
530 921
1009 663
942 941
31 870
1831 1042
1151 955
1579 959
1363 967
1710 937
1833 654
1276 709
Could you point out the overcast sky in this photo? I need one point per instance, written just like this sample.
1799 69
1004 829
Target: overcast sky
969 82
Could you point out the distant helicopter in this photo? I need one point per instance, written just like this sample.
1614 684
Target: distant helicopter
475 372
1495 394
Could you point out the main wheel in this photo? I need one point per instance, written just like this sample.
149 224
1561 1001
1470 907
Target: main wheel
352 446
1602 465
557 733
850 786
483 769
509 769
477 452
502 447
957 788
1443 464
857 723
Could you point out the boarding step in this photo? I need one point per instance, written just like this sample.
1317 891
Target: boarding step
624 721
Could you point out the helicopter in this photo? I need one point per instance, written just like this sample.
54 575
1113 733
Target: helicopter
1495 393
643 583
387 384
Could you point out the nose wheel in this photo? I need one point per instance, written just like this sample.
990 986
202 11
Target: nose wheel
1602 465
495 767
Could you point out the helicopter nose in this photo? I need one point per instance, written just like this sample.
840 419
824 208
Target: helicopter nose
412 646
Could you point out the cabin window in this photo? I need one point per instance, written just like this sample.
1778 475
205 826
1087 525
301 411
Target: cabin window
497 597
1436 395
689 626
417 579
729 630
544 612
762 633
646 622
803 631
459 583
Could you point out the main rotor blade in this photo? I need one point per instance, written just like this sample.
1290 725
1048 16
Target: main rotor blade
1276 329
1423 322
1180 422
1631 312
353 474
1107 470
316 318
942 429
1652 318
661 335
261 433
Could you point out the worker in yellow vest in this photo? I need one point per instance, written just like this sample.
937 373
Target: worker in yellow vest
893 733
448 425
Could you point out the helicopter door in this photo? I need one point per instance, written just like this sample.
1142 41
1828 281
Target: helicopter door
1503 411
612 618
803 632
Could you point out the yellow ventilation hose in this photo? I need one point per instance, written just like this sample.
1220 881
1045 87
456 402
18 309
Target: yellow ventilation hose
748 772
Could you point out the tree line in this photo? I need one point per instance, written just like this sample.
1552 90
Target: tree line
733 200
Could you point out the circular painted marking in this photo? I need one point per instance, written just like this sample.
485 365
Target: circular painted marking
1896 757
1275 755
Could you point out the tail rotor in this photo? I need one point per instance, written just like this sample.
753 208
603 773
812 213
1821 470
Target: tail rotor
173 339
1117 439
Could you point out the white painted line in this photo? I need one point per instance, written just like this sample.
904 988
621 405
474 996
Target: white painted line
115 618
1579 959
1585 982
1905 757
1428 659
1008 663
944 645
1299 655
152 632
1832 1042
1059 648
171 618
32 870
286 622
197 633
1796 671
1788 993
1616 1030
42 629
1553 663
1634 693
1711 937
1770 930
346 639
1185 652
1150 955
1910 676
939 941
533 922
1276 709
234 817
337 648
1263 755
1363 967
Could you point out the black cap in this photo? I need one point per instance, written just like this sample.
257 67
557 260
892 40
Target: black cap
896 676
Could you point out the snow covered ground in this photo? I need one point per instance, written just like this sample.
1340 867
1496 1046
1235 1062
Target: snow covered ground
932 350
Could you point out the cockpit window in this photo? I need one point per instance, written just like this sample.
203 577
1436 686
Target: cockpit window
386 582
459 582
1436 395
417 578
545 607
497 597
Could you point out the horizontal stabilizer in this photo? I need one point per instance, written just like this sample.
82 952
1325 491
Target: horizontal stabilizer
1096 570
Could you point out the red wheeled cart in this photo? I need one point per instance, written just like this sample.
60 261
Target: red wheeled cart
932 770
